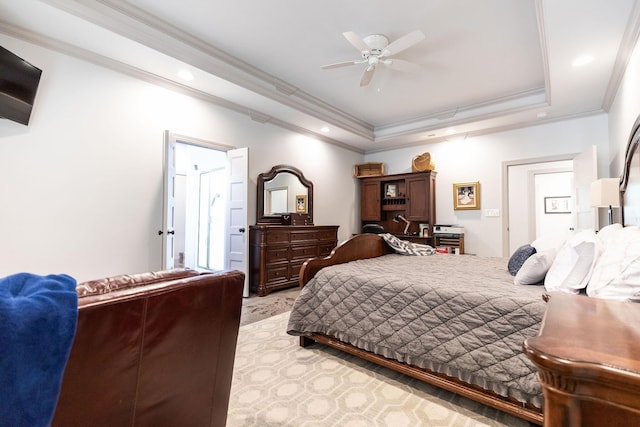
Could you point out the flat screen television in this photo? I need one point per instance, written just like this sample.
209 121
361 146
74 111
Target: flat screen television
19 82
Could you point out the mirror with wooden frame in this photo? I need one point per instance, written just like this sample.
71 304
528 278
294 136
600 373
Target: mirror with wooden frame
283 190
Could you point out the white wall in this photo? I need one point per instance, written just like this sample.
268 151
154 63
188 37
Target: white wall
480 159
623 113
82 184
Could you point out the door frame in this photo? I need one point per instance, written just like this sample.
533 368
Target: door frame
170 139
505 189
533 230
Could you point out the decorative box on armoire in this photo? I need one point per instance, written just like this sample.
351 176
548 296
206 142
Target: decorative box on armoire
284 236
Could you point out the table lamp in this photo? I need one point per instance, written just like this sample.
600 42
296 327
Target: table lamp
605 193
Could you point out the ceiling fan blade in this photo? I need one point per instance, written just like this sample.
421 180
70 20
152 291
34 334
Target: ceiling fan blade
402 65
404 42
367 75
356 41
341 64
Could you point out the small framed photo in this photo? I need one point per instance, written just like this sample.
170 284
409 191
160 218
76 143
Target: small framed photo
557 205
390 190
424 230
466 195
301 203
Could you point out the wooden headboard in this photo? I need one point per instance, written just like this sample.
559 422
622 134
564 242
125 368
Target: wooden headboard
630 180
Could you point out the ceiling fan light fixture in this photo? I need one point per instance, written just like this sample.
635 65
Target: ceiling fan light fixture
376 49
377 43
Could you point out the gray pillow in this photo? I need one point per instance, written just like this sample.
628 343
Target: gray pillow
519 257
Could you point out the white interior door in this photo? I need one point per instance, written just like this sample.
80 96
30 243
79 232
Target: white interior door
238 167
168 196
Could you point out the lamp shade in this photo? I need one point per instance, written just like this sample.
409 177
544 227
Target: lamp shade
605 192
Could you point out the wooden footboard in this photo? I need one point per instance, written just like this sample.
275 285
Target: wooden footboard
365 246
361 246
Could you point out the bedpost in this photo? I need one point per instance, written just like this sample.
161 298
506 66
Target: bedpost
306 341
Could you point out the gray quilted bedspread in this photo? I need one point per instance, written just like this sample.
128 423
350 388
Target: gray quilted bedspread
458 315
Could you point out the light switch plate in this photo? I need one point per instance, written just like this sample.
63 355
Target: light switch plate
491 212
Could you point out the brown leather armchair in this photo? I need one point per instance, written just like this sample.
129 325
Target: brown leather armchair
152 349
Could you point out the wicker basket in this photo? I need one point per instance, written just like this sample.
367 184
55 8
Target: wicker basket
422 162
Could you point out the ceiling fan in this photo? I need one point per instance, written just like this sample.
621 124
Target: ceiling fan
376 49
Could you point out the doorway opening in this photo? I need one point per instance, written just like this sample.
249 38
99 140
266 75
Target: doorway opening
200 198
523 198
204 206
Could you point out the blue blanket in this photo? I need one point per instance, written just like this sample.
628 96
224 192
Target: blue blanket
38 317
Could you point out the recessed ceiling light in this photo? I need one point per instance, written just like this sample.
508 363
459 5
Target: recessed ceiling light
324 129
185 74
582 60
450 131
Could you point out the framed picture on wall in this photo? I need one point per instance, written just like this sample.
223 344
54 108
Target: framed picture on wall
301 203
466 195
557 205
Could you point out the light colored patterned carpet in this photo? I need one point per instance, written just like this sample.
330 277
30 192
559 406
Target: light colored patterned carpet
256 308
278 383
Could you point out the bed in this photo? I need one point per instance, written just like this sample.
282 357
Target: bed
457 322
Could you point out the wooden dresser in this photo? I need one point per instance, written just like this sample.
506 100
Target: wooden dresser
278 251
588 358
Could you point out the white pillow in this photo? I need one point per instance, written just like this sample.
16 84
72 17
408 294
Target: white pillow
616 274
551 241
609 232
535 268
572 267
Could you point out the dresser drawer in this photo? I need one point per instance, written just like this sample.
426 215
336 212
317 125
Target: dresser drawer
327 235
304 252
295 268
279 253
277 237
302 235
277 273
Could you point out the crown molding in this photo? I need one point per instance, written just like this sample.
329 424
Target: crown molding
508 104
488 131
131 22
544 50
120 67
629 41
